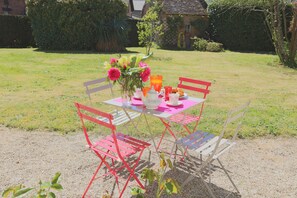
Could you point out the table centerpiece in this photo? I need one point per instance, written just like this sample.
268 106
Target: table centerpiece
129 72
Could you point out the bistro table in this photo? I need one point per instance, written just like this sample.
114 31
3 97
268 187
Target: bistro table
163 111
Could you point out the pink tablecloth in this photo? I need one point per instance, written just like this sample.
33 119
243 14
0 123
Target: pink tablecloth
163 107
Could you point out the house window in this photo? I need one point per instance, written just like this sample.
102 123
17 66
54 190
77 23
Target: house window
6 8
188 28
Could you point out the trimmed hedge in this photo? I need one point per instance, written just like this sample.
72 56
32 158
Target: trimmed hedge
15 31
132 33
239 29
79 24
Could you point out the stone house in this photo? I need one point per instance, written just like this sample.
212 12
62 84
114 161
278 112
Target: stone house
183 20
12 7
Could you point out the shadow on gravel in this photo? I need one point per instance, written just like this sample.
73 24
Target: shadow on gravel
194 189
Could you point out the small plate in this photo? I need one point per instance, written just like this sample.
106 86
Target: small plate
178 104
184 96
136 97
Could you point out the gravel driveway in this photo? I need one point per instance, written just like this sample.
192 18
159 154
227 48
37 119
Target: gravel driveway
264 167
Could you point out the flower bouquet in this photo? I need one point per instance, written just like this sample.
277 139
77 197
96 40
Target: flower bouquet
129 72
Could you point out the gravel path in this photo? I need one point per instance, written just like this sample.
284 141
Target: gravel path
260 168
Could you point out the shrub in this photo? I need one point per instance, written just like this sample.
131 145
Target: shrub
79 24
17 31
214 47
200 44
239 29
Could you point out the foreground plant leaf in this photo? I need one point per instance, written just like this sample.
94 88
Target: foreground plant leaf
56 178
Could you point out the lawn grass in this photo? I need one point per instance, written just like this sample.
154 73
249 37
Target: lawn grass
38 88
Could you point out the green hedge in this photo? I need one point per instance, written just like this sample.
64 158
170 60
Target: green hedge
239 29
132 33
79 24
15 31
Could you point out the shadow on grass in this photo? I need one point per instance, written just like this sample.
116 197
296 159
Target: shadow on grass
254 52
83 52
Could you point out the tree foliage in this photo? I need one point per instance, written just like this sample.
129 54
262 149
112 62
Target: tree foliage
276 18
78 24
150 29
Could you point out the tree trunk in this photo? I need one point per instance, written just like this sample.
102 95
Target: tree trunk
293 42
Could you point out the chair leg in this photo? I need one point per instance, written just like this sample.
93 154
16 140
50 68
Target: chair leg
187 129
226 172
167 127
191 177
132 174
93 178
161 138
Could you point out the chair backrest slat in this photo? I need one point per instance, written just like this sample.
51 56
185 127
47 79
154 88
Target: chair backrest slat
240 108
87 117
239 113
234 118
92 82
190 80
94 111
96 89
193 88
97 85
199 86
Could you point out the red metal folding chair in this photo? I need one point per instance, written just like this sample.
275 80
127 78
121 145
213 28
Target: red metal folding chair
183 119
116 147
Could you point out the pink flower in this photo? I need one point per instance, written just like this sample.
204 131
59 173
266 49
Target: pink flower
114 73
145 74
113 61
142 64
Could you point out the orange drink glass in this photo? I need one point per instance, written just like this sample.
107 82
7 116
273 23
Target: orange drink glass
156 82
145 90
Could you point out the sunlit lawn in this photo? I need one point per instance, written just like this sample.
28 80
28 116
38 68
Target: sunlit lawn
38 89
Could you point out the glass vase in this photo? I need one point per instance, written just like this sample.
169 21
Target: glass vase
126 98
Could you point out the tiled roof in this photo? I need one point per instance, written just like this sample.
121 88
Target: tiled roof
186 7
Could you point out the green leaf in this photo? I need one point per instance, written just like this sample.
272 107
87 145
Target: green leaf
22 191
146 57
57 186
149 175
169 188
162 163
8 191
45 185
56 178
138 58
137 191
169 163
51 195
162 156
133 61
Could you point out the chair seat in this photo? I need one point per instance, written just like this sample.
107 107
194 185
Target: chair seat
127 145
204 143
120 117
183 119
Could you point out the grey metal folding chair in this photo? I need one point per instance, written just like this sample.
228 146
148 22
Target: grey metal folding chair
120 116
200 149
